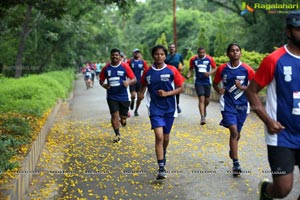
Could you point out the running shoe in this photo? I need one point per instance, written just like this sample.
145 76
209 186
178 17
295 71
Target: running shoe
203 121
117 139
262 195
178 109
136 113
161 174
236 170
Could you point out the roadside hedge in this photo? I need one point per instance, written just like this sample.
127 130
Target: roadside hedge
25 104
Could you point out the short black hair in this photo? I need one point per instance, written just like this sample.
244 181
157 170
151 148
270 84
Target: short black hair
200 48
115 50
233 44
159 46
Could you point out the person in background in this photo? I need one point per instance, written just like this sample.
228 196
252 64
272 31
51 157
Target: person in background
163 82
204 66
119 76
235 77
87 72
98 69
176 60
138 66
280 73
123 57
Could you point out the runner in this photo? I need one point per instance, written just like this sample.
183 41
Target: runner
138 66
163 83
202 65
235 77
119 76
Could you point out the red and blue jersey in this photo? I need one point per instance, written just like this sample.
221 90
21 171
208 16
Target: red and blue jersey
138 67
201 66
115 76
166 78
280 71
234 99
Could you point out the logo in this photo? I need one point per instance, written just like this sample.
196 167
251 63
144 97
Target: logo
246 8
271 8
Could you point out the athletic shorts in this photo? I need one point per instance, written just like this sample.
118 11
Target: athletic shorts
282 159
87 77
203 90
165 121
237 119
136 87
121 106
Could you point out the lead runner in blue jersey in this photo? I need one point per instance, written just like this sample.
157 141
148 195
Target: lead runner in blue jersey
119 76
163 82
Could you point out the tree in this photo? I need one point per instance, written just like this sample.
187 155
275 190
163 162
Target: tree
162 40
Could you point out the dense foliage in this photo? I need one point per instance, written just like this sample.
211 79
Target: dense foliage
24 106
40 36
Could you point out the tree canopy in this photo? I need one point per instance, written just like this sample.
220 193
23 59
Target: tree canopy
38 36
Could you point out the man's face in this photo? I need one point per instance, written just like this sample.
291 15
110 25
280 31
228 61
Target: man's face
136 54
115 58
294 35
172 48
201 53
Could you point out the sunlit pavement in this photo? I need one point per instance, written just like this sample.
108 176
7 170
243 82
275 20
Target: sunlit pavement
80 160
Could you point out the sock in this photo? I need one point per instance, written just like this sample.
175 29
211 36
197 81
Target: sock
161 164
235 162
165 159
117 132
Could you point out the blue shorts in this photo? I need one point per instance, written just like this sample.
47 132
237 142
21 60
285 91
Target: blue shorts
165 121
237 119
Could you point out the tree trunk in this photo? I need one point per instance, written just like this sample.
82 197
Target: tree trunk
25 32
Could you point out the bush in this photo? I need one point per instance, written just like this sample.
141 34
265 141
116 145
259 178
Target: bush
24 107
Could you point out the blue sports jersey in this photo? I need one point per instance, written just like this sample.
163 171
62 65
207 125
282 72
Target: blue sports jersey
234 99
138 67
115 76
201 66
280 71
166 78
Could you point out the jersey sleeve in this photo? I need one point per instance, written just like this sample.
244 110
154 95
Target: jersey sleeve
192 62
128 62
128 70
212 62
178 78
265 73
145 64
250 70
143 81
102 76
218 77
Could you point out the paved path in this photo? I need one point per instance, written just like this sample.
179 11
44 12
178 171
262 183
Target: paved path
80 161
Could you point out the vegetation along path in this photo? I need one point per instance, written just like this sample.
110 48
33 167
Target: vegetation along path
80 161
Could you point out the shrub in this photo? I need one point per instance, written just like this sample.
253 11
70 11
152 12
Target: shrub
24 107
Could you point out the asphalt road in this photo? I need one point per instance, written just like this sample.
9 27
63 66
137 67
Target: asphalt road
80 161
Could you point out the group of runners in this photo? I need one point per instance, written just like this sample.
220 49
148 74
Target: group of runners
238 85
